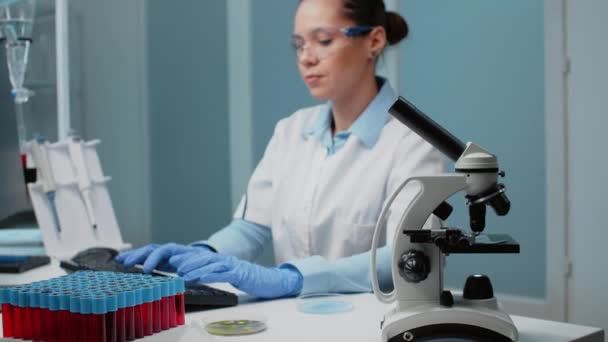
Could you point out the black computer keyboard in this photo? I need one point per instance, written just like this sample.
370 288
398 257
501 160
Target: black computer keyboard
20 264
196 297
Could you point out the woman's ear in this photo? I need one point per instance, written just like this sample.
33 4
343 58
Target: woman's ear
377 41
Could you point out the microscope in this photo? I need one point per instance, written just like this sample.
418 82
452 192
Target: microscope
424 310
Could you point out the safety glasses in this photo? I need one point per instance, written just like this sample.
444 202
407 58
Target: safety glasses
323 42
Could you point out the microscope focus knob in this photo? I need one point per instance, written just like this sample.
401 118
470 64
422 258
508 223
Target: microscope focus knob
414 266
478 287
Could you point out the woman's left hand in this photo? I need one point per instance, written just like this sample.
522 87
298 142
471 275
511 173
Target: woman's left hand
256 280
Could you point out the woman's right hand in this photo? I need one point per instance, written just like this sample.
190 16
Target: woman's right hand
155 256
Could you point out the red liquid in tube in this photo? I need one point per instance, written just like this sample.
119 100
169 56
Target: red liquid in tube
110 328
139 323
164 314
172 313
84 329
7 320
49 322
180 309
63 331
156 316
129 323
26 325
121 333
96 328
36 324
146 314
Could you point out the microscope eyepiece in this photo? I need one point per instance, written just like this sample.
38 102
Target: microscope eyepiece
428 129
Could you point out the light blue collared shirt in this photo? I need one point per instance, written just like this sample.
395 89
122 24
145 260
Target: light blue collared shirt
367 126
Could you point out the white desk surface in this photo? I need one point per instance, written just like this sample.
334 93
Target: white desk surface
286 323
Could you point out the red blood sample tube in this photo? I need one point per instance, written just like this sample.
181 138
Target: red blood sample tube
94 309
110 328
121 301
45 316
17 322
47 326
180 309
7 320
97 318
96 327
28 328
49 322
24 321
146 313
164 314
137 309
73 334
82 323
121 334
146 309
91 327
165 303
156 309
65 331
129 322
156 314
172 313
139 322
36 314
37 324
110 316
53 321
78 331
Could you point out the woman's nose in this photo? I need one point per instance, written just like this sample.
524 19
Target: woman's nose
307 56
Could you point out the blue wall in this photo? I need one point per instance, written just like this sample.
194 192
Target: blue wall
477 67
278 90
187 71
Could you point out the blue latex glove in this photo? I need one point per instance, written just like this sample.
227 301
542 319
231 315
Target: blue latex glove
155 256
258 281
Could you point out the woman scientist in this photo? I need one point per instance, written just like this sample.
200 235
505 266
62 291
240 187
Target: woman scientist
325 174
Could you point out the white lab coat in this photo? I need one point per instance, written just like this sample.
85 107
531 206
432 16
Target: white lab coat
327 205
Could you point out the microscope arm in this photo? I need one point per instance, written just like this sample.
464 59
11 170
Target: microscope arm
433 191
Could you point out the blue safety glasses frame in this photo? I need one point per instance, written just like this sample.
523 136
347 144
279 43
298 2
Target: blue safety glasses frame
323 46
356 31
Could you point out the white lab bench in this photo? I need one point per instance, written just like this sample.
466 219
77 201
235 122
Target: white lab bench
286 323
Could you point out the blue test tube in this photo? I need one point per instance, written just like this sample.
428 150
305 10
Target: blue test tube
121 304
36 312
110 319
156 308
130 314
26 314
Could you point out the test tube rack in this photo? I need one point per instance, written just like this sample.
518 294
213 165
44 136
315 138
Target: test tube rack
93 306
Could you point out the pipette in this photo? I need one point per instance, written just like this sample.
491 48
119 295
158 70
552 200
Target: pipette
76 151
45 176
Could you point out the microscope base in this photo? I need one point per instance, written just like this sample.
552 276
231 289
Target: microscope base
478 320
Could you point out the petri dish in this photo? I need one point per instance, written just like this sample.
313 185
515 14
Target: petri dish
234 324
324 304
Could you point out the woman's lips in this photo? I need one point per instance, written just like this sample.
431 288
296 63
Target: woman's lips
313 79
